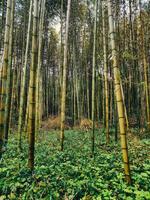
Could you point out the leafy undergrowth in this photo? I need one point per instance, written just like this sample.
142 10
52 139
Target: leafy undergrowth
74 174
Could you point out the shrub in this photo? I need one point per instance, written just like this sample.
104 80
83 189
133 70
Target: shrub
53 122
85 124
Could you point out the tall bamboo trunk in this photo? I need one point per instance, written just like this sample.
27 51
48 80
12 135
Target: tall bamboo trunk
63 92
38 117
24 80
93 79
32 87
105 76
9 78
119 97
3 72
74 84
61 59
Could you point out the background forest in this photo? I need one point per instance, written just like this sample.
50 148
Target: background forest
74 99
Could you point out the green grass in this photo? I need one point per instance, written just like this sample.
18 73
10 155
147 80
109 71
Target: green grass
73 174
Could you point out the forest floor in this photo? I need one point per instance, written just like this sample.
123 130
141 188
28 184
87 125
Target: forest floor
73 174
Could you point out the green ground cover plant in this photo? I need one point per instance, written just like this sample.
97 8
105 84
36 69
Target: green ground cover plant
73 173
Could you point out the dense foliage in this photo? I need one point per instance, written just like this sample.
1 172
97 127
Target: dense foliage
73 174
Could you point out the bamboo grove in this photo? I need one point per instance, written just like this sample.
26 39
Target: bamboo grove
96 66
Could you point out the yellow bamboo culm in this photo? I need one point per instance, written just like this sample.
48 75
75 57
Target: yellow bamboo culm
3 74
119 96
64 77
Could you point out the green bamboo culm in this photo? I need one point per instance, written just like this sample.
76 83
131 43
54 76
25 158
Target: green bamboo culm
39 78
9 77
24 80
